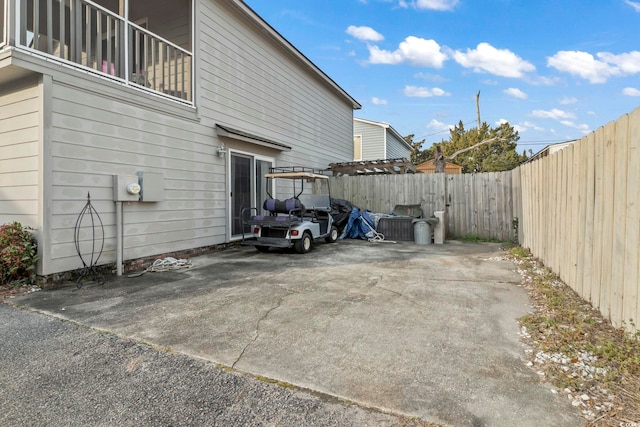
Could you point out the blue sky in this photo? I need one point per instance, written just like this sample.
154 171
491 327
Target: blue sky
554 69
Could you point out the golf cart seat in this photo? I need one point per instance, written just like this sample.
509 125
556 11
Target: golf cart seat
289 206
281 211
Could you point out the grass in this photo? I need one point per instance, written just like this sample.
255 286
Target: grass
478 239
562 323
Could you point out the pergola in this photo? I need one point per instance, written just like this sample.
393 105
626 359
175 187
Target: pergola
373 167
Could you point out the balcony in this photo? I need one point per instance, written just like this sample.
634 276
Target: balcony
146 44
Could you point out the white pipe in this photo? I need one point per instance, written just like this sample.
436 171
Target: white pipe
119 239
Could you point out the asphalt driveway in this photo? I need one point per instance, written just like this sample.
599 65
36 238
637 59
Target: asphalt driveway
423 331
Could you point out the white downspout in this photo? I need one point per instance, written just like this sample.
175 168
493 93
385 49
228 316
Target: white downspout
119 239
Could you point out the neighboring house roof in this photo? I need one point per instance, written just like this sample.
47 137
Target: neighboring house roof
430 167
299 55
550 149
386 126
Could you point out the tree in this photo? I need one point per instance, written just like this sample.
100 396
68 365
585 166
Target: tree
496 151
418 156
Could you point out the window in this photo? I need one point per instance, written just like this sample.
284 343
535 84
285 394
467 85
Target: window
357 147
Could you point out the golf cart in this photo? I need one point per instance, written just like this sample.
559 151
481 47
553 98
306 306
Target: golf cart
294 222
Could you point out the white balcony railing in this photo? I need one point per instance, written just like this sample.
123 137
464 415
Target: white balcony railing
92 37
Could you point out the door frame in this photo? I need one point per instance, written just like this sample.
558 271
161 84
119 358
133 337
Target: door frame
253 156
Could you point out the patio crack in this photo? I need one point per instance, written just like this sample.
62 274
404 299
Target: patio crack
257 330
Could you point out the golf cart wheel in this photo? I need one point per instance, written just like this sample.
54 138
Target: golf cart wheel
262 248
333 235
302 246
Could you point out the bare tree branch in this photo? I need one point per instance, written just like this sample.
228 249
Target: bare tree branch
464 150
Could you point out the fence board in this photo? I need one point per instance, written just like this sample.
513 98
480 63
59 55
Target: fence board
632 243
574 213
552 217
606 275
598 214
516 197
587 274
560 206
619 219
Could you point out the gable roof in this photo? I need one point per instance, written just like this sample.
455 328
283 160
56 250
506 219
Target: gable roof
386 126
278 38
550 149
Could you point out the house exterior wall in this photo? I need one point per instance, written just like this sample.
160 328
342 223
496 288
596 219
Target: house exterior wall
250 83
93 138
20 117
82 130
373 140
397 148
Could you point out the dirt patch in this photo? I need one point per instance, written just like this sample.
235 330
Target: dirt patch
7 292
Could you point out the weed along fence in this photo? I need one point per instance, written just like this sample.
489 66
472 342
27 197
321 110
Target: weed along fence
478 205
581 217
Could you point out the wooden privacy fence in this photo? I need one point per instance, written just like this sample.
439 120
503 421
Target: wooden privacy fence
482 205
581 217
578 210
380 193
479 205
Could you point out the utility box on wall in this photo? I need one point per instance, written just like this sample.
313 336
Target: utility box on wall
126 188
151 186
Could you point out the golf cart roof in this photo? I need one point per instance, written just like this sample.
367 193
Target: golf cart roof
296 175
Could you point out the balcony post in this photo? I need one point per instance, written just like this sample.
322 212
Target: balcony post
12 21
126 55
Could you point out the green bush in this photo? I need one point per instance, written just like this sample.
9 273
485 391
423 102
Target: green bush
18 255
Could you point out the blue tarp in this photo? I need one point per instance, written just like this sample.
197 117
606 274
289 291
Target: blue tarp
359 226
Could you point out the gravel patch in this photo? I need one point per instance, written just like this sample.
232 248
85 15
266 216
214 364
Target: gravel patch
58 373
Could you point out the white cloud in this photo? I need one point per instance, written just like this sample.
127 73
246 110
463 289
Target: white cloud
364 33
555 114
585 65
413 50
625 63
529 125
542 81
516 93
378 101
424 92
438 126
631 91
500 62
517 128
436 78
584 128
568 101
443 5
582 64
633 4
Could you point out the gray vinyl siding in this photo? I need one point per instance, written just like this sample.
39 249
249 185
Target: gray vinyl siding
250 83
92 128
94 138
397 148
20 109
372 140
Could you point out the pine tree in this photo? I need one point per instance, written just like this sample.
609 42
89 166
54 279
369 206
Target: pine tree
497 155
